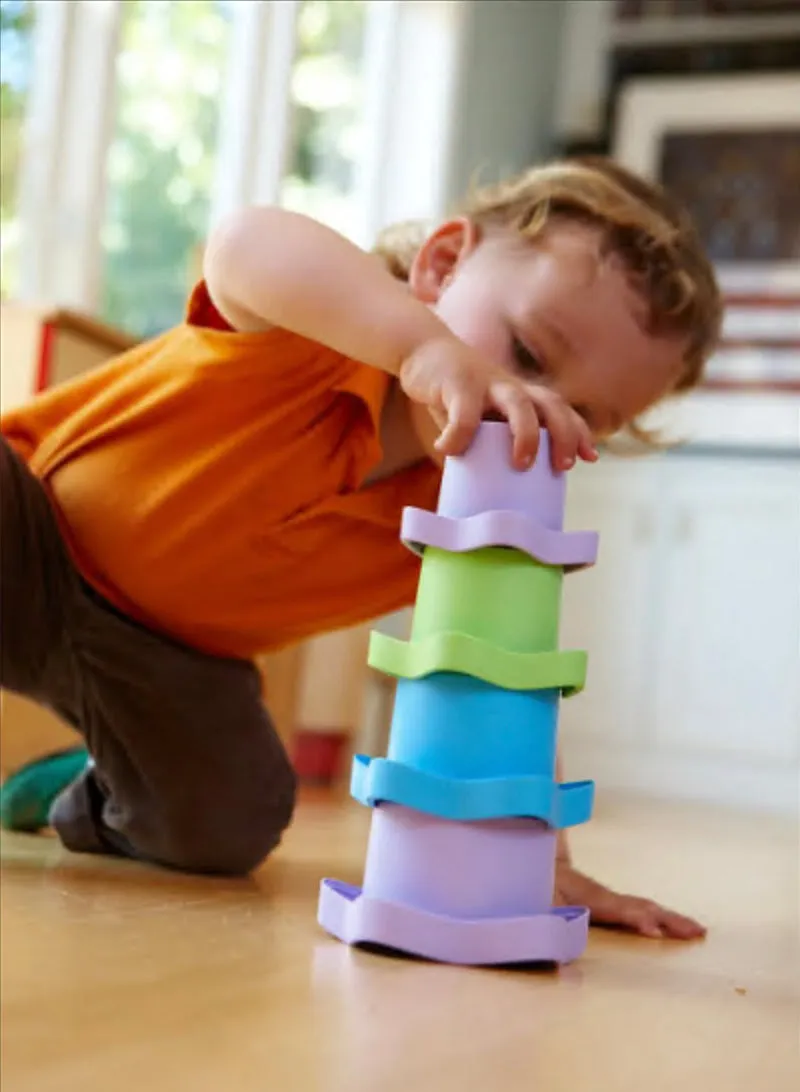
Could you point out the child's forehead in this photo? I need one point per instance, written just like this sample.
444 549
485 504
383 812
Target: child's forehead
571 276
566 255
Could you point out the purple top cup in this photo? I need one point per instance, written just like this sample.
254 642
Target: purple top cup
484 480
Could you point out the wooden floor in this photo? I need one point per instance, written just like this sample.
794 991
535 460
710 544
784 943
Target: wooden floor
120 978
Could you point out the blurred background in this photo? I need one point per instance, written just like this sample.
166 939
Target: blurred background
130 126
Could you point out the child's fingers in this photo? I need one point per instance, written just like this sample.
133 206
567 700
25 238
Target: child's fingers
626 912
680 927
464 409
586 446
439 416
651 920
642 917
561 422
515 404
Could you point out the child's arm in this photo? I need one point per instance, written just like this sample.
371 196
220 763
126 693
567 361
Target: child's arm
269 267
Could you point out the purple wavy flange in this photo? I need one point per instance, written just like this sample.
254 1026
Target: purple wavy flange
569 549
558 936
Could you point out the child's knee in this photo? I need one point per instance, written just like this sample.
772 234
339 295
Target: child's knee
222 817
233 835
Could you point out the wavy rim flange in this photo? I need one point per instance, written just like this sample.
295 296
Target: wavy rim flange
465 655
570 550
377 780
557 936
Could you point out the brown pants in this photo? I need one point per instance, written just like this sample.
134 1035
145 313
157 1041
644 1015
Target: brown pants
188 770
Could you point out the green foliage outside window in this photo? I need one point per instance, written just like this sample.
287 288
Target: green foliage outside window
171 71
172 64
16 39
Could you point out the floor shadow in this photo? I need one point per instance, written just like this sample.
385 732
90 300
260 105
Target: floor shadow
409 957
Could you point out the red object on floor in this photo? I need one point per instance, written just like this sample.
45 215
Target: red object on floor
318 756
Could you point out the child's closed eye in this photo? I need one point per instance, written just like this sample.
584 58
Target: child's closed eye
525 359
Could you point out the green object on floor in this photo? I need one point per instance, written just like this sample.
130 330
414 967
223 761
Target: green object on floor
27 795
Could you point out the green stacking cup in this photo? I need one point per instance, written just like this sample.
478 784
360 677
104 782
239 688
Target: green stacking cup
497 595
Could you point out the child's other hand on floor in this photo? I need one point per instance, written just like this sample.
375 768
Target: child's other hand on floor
611 909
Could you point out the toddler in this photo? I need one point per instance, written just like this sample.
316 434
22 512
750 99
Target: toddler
236 484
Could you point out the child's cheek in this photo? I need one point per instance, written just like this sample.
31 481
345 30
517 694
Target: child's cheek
475 319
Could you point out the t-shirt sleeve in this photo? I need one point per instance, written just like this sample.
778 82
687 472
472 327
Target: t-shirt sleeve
368 387
299 369
201 312
27 428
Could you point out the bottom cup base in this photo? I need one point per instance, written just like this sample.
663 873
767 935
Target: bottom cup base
558 936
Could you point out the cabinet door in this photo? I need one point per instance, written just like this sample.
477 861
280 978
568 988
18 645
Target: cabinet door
608 609
729 607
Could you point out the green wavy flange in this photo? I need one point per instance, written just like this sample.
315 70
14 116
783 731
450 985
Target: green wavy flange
565 671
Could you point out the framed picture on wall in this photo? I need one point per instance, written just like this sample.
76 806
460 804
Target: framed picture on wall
729 149
643 10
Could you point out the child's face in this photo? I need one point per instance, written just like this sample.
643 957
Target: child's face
553 310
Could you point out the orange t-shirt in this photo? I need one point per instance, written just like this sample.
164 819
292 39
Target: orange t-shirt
209 483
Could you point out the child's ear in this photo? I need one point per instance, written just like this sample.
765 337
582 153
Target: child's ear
438 257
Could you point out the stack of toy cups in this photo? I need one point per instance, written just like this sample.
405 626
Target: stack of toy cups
461 858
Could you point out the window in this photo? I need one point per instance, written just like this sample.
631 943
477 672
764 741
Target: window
171 68
150 119
327 106
16 41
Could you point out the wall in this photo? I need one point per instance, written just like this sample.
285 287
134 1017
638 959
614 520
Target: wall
583 69
505 105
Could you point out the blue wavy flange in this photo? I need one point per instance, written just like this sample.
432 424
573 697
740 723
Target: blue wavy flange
374 780
570 550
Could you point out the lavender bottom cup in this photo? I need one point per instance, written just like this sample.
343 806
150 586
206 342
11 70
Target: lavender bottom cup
488 868
457 892
558 936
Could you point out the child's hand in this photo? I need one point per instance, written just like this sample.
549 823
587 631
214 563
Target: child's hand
458 386
628 912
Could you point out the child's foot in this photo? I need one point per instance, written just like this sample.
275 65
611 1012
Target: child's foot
28 794
613 910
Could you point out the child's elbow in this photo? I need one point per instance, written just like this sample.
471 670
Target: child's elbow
230 245
233 264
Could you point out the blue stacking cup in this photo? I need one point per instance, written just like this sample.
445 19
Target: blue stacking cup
460 727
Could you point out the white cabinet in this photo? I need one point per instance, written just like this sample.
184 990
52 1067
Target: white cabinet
729 611
691 619
608 610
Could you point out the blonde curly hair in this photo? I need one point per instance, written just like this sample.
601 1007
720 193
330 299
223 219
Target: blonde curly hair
655 238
